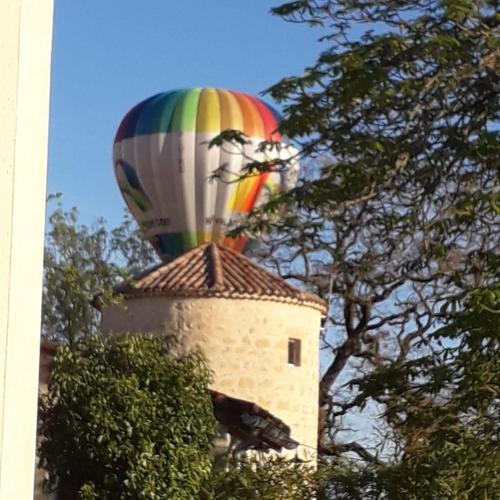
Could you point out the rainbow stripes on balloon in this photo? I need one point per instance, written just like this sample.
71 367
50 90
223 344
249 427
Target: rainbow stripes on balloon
164 166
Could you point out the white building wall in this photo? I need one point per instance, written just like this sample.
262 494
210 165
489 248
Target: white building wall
25 45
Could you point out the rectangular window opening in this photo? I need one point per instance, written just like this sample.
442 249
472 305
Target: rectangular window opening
294 352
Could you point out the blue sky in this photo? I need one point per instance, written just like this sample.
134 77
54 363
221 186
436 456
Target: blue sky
107 56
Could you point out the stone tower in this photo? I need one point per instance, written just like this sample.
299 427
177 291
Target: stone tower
259 333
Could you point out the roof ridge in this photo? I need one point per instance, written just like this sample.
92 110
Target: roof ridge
216 264
260 268
214 270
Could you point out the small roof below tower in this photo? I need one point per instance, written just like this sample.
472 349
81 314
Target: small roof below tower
212 270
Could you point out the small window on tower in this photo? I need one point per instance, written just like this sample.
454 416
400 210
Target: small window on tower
294 352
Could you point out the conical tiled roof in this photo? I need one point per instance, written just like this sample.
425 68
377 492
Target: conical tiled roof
212 270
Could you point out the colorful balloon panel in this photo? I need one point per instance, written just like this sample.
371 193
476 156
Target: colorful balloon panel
164 166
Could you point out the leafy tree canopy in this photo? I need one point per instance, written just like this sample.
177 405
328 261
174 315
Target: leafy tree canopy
81 262
124 420
271 479
444 409
399 119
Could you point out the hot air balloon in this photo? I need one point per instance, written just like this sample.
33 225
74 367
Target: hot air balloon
164 166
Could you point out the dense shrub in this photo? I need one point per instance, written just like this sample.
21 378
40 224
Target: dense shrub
124 420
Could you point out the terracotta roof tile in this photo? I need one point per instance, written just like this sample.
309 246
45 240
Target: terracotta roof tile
213 270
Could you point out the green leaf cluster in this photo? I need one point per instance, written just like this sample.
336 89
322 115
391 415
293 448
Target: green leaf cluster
81 262
444 409
124 420
268 479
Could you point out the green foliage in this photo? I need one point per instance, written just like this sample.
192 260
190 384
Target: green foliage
347 479
123 420
270 479
81 262
445 410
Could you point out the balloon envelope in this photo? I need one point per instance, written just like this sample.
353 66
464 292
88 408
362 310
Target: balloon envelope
164 166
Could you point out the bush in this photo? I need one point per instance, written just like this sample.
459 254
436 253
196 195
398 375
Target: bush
124 420
271 479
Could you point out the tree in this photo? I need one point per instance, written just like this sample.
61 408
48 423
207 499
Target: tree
81 262
124 420
444 408
271 479
398 221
